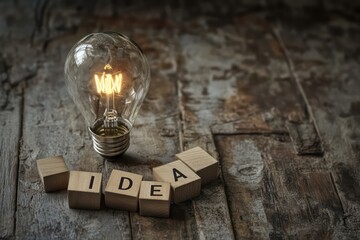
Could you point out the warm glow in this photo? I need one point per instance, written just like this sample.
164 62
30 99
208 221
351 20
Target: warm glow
108 83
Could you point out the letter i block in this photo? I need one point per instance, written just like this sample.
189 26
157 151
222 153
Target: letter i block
184 182
54 173
200 162
84 190
154 199
122 190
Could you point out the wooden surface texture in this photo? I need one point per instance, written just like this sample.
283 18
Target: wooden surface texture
271 89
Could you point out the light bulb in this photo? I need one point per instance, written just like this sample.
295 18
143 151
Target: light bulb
108 76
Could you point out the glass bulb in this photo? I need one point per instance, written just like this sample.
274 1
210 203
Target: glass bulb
108 76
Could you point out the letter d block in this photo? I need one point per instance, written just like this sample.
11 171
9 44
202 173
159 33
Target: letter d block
184 182
154 199
122 190
200 162
84 190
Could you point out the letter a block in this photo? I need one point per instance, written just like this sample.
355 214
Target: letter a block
184 182
200 162
122 190
154 199
84 190
54 173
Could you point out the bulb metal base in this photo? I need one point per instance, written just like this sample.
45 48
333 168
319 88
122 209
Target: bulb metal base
110 143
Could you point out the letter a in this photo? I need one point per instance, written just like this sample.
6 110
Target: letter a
178 174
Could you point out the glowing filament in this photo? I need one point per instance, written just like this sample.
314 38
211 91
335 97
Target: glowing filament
108 83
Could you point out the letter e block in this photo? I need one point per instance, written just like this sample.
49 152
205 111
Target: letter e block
200 162
122 190
154 199
53 173
84 190
184 182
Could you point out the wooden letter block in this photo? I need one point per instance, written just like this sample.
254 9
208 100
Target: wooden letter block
122 190
84 190
200 162
154 199
53 173
184 182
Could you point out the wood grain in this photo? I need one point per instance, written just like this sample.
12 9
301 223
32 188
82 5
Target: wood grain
330 81
281 195
252 82
52 126
154 199
305 138
221 86
10 128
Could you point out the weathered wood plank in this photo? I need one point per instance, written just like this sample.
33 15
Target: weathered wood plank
10 129
154 138
227 78
211 206
11 100
327 69
52 126
242 167
305 138
231 78
273 193
155 142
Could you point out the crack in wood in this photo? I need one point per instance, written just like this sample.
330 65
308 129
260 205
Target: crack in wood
296 79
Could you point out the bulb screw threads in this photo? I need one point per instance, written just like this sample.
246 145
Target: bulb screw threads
110 144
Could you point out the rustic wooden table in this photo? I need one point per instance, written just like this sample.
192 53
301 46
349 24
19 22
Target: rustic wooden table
271 90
